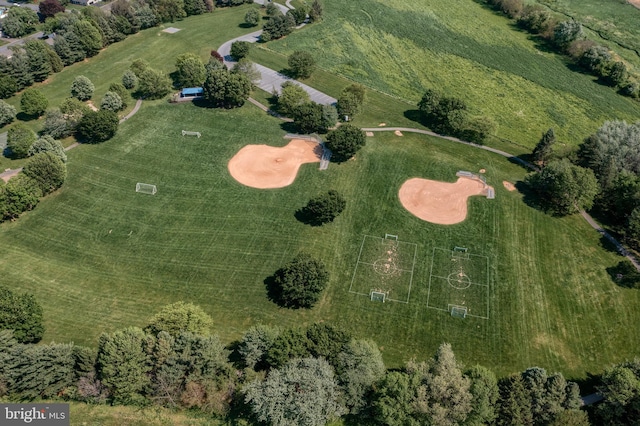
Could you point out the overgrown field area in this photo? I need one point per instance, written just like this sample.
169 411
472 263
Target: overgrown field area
465 50
100 256
615 21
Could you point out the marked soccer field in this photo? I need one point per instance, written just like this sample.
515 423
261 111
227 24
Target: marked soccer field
459 280
384 267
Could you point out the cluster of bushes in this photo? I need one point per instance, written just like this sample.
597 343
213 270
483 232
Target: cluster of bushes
309 375
78 35
568 37
44 172
309 117
449 116
279 25
603 175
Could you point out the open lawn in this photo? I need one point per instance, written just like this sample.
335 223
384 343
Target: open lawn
465 50
99 256
199 34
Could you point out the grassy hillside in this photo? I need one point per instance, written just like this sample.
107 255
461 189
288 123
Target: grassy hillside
100 257
615 21
466 50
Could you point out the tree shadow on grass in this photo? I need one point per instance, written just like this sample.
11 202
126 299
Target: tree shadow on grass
624 274
414 115
304 216
274 293
530 197
289 126
22 116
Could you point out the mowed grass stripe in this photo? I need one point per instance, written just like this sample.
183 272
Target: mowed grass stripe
205 238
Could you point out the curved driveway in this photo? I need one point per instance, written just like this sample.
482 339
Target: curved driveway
271 80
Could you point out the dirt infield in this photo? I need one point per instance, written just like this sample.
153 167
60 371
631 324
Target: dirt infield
635 3
439 202
263 166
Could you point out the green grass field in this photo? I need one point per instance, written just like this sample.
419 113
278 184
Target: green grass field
100 257
465 50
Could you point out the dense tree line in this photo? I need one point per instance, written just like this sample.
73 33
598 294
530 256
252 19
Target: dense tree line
44 172
568 37
79 35
295 376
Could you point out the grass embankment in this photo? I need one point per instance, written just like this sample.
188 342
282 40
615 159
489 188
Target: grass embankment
100 257
464 50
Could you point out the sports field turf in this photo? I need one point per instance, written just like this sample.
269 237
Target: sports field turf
466 50
100 257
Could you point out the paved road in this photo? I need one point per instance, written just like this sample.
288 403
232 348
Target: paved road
271 80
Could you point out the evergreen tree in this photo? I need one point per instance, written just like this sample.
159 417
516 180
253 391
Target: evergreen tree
22 314
484 389
124 364
544 149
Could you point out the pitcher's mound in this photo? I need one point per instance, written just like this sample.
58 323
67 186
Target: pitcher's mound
263 166
439 202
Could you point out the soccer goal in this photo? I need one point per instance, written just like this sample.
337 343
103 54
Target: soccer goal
460 253
391 237
188 133
458 311
146 188
378 296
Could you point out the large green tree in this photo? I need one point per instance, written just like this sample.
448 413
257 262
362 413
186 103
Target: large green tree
345 141
21 313
33 102
564 188
255 344
309 118
485 392
82 88
111 101
19 140
20 194
19 22
351 100
300 283
301 63
48 170
304 392
97 126
544 149
226 89
153 84
180 317
252 17
190 70
621 391
124 364
359 367
324 208
291 96
7 113
442 394
48 144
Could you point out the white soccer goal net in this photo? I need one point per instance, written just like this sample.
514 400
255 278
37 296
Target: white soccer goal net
458 311
378 296
146 188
